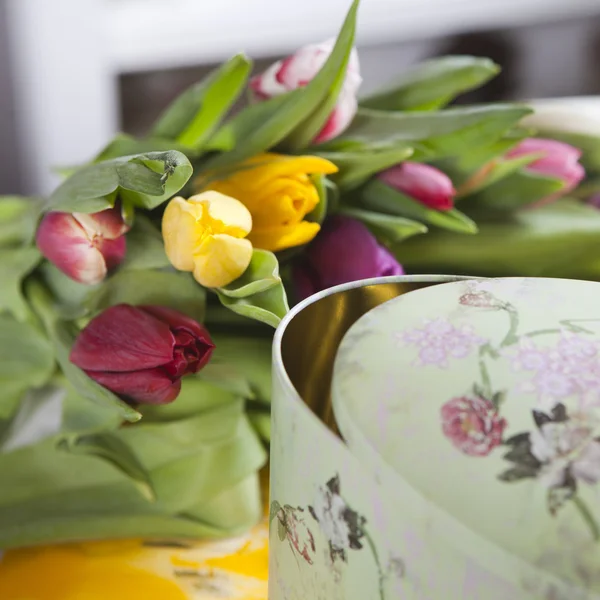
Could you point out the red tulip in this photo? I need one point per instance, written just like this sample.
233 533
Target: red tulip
558 160
423 183
142 352
83 246
344 250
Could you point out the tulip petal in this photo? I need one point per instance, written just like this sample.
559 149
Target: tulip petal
108 223
340 118
280 238
113 251
235 218
62 240
147 386
123 338
180 232
176 320
221 259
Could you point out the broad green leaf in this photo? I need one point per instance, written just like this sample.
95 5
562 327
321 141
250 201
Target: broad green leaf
433 83
145 246
145 180
15 265
114 450
517 190
268 307
264 125
261 421
174 289
433 134
561 239
125 145
18 220
26 361
355 167
62 335
241 364
388 229
262 273
194 115
378 197
198 457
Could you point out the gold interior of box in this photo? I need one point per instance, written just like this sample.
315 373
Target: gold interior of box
311 339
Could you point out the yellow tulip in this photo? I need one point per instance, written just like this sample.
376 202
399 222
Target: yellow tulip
206 235
279 193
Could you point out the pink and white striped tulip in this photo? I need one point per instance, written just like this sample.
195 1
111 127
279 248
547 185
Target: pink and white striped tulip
298 70
85 247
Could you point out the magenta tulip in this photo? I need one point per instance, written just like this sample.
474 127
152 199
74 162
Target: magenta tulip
343 251
83 246
141 352
298 70
558 160
423 183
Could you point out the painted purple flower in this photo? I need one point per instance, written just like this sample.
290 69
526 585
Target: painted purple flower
439 340
344 250
472 424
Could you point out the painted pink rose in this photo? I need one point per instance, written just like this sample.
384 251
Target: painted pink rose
297 532
472 424
298 70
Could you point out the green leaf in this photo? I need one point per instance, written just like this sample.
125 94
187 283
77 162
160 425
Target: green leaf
241 364
15 265
281 531
174 289
259 293
387 228
125 145
434 83
26 361
114 450
355 167
515 191
145 180
558 240
434 135
193 117
18 220
62 335
268 307
261 421
264 125
145 246
262 273
379 197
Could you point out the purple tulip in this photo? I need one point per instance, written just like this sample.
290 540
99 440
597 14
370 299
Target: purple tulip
558 160
343 251
423 183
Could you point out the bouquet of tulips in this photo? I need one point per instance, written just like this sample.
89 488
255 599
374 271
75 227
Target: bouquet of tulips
138 301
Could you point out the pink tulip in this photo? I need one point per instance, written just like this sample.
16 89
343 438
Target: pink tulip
141 352
83 246
423 183
344 250
558 160
298 70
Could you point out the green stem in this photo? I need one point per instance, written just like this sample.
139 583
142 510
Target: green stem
588 517
376 557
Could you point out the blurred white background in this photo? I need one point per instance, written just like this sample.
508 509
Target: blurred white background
74 72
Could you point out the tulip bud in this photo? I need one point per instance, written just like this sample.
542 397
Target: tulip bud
423 183
298 70
345 250
83 246
141 352
558 160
